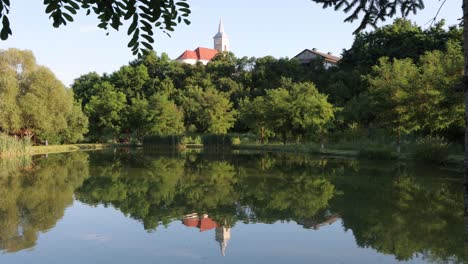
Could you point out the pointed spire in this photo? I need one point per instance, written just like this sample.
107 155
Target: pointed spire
221 26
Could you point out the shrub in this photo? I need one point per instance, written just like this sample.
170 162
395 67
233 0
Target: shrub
431 150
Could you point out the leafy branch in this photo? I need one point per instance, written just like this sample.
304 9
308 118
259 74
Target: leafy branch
144 17
373 10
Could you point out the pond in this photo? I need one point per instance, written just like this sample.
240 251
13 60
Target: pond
136 206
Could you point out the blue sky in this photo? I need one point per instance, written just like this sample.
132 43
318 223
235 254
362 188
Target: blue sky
255 27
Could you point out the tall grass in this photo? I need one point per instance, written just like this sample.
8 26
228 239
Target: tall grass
12 146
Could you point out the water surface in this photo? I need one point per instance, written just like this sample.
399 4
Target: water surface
140 206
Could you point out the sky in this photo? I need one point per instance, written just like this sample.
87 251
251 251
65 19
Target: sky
255 27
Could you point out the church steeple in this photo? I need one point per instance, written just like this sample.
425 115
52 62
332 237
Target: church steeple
221 39
221 26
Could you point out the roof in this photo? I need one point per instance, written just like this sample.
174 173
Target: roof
203 224
198 54
328 57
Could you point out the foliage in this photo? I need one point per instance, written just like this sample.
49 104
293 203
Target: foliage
105 111
297 108
195 140
32 100
372 11
408 97
165 118
433 150
143 16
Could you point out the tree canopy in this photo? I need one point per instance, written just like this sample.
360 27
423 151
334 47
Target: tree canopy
32 99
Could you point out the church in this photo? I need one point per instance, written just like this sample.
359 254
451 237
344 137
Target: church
204 55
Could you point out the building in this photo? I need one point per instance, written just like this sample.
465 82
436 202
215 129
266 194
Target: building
204 55
307 55
223 235
203 223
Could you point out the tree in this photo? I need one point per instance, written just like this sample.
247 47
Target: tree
33 100
216 115
165 118
253 113
83 87
402 39
392 89
106 111
144 17
297 108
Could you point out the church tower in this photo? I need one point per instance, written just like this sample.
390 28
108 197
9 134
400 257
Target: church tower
221 39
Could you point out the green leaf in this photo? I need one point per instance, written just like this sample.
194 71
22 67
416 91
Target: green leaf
68 17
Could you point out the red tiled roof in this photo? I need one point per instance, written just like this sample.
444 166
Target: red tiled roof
198 54
203 224
191 222
205 53
188 54
207 224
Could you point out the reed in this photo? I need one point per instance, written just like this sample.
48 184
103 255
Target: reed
12 146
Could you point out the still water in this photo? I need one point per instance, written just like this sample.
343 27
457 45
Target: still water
137 206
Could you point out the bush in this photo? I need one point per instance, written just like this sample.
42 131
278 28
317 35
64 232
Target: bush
382 153
431 150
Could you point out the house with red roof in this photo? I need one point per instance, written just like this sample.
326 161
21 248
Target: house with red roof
204 55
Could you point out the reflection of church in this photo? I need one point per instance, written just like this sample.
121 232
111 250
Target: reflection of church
204 223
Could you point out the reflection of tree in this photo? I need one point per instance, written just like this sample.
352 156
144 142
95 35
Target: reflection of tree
404 215
160 189
34 199
387 208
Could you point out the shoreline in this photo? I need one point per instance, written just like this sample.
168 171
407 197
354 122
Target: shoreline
453 160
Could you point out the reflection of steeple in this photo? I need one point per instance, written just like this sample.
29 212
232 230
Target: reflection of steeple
223 234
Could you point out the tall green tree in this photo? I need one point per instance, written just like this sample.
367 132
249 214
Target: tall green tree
165 118
253 113
106 112
392 90
32 99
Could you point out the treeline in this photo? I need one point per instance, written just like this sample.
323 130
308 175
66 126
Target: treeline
398 78
35 104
